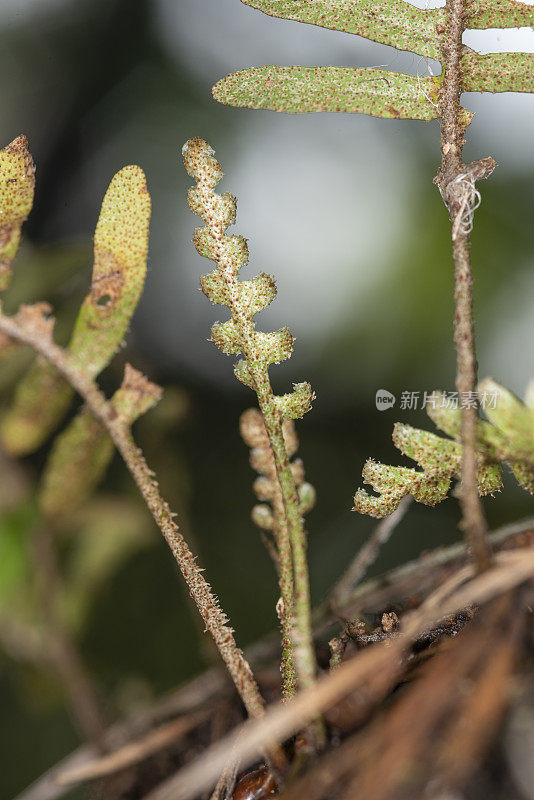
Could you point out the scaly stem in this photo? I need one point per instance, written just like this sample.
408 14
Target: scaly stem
25 328
473 520
285 611
302 633
456 183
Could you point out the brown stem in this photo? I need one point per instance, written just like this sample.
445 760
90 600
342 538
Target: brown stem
26 328
456 181
473 520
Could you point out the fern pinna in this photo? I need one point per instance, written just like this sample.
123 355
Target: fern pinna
431 33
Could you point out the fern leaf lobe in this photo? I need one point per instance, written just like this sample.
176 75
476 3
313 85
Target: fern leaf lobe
298 90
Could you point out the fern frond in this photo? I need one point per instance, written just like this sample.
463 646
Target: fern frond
392 22
17 185
120 251
483 14
83 450
438 34
297 89
498 72
507 437
267 489
392 484
244 299
238 335
511 433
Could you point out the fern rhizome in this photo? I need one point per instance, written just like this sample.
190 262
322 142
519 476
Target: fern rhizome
474 451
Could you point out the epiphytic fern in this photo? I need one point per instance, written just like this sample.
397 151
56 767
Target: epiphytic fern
379 92
508 436
239 335
81 453
435 33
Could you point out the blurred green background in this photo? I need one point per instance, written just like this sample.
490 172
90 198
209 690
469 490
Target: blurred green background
343 211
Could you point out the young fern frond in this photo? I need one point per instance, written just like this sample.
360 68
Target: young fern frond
270 516
82 452
239 335
508 436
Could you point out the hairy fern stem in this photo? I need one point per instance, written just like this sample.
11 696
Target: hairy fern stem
456 181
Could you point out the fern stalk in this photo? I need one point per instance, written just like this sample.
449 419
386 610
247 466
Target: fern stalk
473 519
302 636
270 516
273 519
238 335
287 595
456 184
285 607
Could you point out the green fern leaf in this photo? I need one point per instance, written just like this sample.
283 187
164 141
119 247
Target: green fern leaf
79 457
396 23
298 90
121 246
392 484
17 184
391 22
512 424
120 251
482 14
498 72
